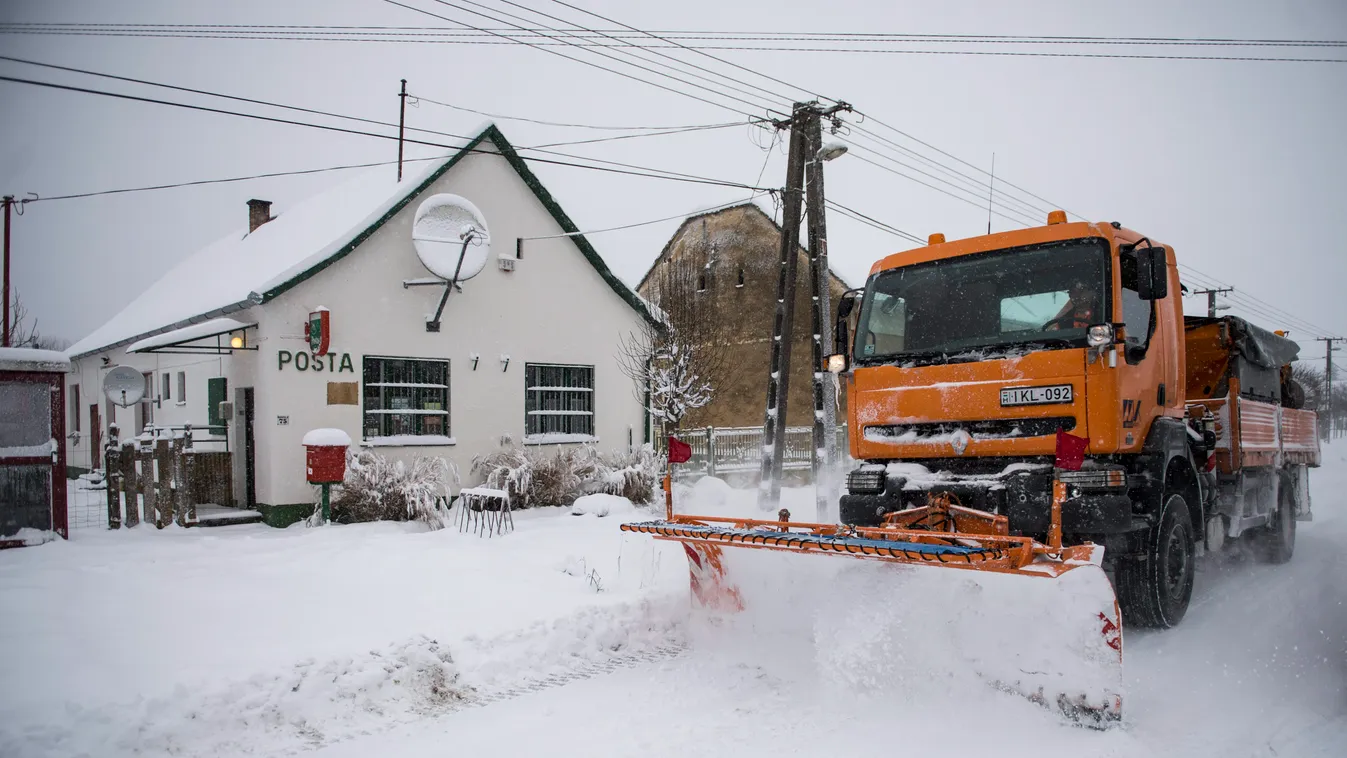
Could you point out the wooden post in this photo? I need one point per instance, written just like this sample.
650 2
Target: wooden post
186 510
113 478
130 482
149 483
163 481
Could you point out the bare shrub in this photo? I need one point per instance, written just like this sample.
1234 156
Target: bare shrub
556 478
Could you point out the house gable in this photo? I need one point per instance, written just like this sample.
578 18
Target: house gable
507 151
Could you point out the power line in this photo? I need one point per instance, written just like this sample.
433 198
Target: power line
1013 207
543 45
656 52
906 38
634 170
564 124
712 209
200 182
255 101
976 203
579 60
858 216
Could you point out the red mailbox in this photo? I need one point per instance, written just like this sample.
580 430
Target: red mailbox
325 455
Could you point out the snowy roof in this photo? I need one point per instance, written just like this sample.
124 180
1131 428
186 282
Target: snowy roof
244 269
211 328
32 359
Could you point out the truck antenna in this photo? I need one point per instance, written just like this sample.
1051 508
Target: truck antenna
990 185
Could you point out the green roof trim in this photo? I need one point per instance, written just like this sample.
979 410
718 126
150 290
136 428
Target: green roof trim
493 134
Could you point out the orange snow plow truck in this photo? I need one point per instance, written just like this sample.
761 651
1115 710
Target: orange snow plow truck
1033 406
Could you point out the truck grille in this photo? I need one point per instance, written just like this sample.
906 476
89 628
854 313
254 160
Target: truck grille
990 429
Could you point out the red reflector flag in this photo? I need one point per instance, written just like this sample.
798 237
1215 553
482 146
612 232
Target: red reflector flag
679 452
1070 451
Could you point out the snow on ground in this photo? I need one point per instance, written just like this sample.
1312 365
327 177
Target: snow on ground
570 638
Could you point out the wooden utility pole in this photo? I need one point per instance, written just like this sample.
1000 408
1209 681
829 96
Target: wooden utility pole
9 203
825 410
1211 298
778 379
402 123
805 149
1327 432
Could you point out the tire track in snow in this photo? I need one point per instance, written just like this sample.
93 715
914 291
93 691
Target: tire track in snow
588 670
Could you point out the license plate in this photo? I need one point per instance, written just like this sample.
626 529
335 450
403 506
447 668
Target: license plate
1057 393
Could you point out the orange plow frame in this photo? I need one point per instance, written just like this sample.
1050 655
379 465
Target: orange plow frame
941 533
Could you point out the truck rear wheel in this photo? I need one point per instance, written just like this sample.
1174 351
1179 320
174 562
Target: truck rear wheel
1155 587
1276 542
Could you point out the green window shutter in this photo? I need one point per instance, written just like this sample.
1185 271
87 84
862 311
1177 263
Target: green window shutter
216 388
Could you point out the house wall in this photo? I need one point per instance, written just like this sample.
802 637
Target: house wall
553 308
721 244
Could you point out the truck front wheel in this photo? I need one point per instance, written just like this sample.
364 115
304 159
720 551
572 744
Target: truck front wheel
1154 588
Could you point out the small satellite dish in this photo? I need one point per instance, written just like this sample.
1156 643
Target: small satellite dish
124 386
451 237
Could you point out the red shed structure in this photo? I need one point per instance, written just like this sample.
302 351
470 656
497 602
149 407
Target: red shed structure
32 446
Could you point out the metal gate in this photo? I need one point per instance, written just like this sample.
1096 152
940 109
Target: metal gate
32 456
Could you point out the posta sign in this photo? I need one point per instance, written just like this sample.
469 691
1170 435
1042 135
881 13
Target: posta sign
304 361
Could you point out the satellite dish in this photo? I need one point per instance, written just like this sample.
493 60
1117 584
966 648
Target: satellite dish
451 237
124 386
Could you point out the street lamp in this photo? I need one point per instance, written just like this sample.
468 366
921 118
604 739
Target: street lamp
831 150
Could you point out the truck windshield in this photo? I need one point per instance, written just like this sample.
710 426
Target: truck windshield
1004 301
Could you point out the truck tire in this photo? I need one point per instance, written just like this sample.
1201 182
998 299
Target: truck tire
1276 542
1154 588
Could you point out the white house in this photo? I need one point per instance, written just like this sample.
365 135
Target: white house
527 348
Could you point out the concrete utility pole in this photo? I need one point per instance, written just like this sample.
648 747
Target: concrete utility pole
1327 431
805 148
9 203
1211 298
402 123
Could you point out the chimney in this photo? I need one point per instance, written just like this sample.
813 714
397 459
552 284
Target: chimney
259 213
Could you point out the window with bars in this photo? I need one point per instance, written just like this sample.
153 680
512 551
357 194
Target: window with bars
559 400
406 397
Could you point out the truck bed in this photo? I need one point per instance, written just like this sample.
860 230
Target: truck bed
1256 433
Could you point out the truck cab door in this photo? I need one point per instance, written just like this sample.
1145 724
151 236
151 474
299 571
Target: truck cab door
1142 362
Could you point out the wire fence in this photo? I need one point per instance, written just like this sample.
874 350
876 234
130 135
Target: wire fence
719 451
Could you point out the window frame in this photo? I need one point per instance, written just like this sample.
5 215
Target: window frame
75 408
534 415
182 388
167 384
386 438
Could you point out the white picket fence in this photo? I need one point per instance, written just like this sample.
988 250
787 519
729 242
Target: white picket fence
717 451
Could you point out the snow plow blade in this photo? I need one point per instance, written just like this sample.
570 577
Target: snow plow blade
1041 619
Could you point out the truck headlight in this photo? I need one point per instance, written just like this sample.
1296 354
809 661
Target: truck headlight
1099 335
865 481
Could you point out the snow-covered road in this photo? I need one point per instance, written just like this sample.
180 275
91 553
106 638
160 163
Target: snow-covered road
569 638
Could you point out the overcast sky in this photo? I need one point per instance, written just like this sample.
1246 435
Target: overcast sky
1239 165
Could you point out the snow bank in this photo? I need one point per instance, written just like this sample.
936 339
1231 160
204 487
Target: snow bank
600 504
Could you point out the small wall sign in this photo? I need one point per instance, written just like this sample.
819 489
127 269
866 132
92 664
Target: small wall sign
282 421
304 361
320 331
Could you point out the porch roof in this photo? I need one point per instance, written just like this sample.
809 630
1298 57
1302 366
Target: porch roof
178 337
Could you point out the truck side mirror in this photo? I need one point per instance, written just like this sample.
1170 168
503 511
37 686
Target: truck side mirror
1152 273
841 334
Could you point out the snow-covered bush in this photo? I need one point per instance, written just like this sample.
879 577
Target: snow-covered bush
634 475
540 477
377 489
